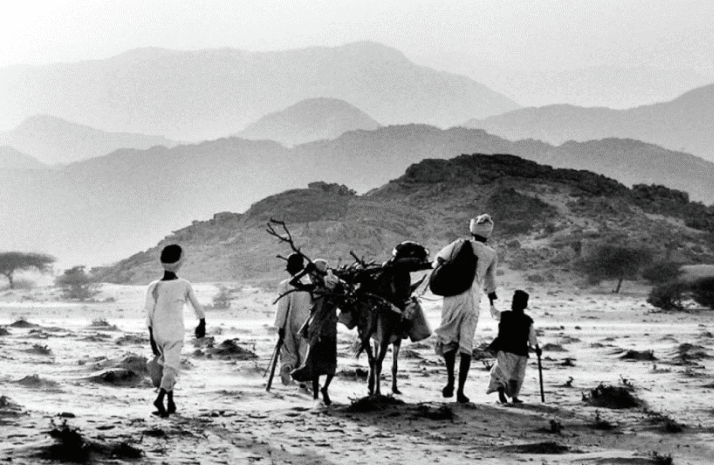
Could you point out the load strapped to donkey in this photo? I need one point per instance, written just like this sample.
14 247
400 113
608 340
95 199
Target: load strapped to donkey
378 300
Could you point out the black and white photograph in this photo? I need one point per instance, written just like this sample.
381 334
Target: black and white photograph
357 232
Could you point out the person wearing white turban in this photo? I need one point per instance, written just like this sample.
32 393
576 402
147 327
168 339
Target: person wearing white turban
459 315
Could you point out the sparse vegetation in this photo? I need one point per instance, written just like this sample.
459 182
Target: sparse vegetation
668 296
619 262
76 284
662 272
612 397
703 292
222 300
12 262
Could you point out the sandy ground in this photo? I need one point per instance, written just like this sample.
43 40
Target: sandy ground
61 370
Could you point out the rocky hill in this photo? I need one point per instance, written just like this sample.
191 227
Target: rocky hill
132 198
206 94
545 218
683 124
310 120
54 140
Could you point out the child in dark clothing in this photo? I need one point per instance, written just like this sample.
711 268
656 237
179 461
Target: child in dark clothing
515 334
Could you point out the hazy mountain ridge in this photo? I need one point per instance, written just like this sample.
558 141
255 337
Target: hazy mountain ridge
127 200
684 124
160 92
12 159
309 120
54 140
432 203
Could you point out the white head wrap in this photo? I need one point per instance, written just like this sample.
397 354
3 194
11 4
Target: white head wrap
482 226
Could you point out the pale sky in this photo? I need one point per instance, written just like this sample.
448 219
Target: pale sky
516 34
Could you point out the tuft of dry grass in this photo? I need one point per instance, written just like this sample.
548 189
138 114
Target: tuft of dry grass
612 397
373 403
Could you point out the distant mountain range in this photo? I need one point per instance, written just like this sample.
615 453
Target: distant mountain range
684 124
613 86
206 94
11 159
309 120
105 208
54 140
565 210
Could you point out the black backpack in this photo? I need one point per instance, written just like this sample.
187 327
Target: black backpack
455 275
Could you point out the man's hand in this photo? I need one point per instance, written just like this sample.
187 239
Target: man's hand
538 351
201 328
154 347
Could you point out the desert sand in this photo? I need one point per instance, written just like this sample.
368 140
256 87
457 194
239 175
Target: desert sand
73 385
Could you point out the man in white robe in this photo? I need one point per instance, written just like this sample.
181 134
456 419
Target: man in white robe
459 314
293 310
165 300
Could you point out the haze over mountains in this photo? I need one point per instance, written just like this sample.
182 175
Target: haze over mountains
53 140
612 86
158 91
106 208
11 159
684 124
309 120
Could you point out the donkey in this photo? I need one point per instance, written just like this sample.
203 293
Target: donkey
377 307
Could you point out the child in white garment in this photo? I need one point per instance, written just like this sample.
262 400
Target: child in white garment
165 299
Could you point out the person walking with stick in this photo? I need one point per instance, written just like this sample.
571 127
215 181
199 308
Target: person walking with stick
515 334
293 310
459 314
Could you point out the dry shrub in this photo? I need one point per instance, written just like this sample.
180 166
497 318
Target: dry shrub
229 349
612 397
548 447
38 349
703 292
550 347
118 377
71 446
602 424
373 403
668 296
689 351
646 355
23 323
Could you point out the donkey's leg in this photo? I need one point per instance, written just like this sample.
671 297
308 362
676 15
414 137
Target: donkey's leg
383 344
370 359
325 395
396 345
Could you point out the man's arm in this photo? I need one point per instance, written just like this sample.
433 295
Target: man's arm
200 312
281 315
149 308
533 340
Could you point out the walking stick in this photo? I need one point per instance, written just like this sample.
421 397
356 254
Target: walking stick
274 363
540 376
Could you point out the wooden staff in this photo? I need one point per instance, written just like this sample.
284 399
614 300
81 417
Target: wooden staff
540 375
274 363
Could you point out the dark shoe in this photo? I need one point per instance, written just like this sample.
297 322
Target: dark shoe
461 398
160 410
448 391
